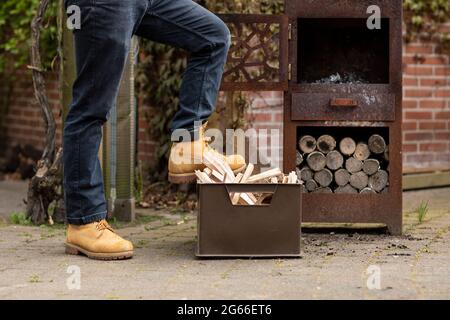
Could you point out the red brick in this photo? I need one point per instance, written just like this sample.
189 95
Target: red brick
411 115
409 81
442 136
442 115
442 71
418 70
278 117
418 136
443 93
443 157
434 82
434 147
432 125
409 125
419 158
418 48
410 104
418 93
436 60
409 147
261 117
432 104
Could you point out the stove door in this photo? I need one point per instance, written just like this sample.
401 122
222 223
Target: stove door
258 56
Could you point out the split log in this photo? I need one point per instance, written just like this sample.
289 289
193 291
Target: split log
316 161
367 191
323 190
379 180
323 177
306 174
326 143
359 180
342 177
203 177
298 158
335 160
217 175
353 165
347 146
265 175
311 185
377 144
292 178
307 144
371 166
345 189
247 173
362 151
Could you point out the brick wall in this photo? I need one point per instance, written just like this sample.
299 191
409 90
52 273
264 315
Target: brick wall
24 123
426 112
426 108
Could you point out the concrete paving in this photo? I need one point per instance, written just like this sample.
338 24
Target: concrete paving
333 265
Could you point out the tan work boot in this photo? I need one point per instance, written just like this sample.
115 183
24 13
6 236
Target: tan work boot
186 157
97 240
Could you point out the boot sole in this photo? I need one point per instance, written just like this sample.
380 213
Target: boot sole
75 250
183 178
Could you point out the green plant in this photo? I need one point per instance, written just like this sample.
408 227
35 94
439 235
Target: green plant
19 218
15 20
422 211
423 20
15 33
34 279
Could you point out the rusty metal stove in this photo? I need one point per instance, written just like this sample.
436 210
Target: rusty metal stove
339 78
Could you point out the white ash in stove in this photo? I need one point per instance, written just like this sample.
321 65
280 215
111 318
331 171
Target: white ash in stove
345 78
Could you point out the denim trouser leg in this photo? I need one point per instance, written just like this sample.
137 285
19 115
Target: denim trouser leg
102 46
185 24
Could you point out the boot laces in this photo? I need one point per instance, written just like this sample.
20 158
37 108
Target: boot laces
102 225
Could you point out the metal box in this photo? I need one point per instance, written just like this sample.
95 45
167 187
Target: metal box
268 230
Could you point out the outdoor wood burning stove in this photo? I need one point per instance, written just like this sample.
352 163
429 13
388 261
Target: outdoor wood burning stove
341 81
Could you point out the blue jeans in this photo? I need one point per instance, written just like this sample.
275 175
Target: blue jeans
102 46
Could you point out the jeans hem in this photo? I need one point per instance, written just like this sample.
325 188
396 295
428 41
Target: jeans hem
88 219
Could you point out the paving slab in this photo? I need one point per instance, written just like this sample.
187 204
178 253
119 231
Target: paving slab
334 265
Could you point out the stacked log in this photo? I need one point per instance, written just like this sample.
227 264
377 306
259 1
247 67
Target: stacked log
331 164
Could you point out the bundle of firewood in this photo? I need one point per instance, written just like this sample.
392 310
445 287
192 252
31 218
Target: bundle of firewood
346 166
218 171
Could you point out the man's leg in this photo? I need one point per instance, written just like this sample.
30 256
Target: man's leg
101 46
185 24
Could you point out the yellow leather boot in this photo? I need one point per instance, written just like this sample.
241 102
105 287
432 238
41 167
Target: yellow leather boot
97 240
186 157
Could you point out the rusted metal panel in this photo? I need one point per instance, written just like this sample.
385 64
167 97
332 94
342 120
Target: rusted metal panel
308 105
258 56
353 107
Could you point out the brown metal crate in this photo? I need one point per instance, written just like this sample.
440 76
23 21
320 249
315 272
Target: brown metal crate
227 230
